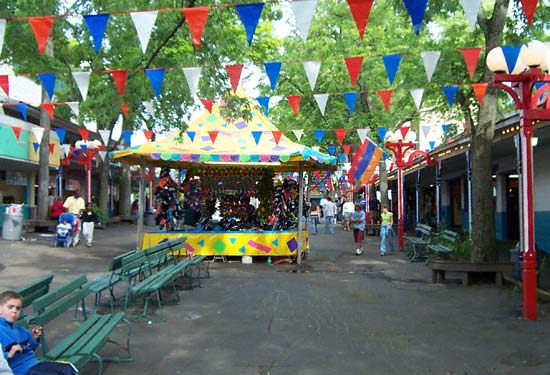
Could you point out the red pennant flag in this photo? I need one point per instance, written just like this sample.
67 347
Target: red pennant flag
196 19
213 134
17 132
148 134
340 134
529 8
294 101
5 83
234 72
385 95
51 147
479 90
48 107
120 79
404 130
354 68
84 134
41 27
207 103
360 10
124 108
277 135
471 56
347 149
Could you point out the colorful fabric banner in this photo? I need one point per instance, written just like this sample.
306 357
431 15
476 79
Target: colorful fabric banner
351 98
416 9
360 10
430 59
96 24
471 9
192 75
41 27
273 69
156 77
312 68
391 62
303 14
321 100
250 16
365 161
196 19
48 83
354 68
82 80
144 22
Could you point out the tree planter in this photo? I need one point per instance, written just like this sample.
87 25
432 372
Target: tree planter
466 269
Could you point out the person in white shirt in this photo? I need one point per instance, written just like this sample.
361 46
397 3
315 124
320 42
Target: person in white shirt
329 210
347 210
4 367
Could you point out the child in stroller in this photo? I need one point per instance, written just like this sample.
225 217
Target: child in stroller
67 232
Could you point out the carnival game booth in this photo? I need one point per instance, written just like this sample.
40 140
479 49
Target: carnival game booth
230 169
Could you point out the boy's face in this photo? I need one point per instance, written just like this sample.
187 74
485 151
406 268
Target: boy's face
11 309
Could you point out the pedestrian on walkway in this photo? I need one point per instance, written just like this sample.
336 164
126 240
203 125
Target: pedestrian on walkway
329 210
386 231
358 221
347 210
314 216
89 219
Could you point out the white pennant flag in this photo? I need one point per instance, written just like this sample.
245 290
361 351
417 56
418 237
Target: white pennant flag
321 100
430 59
298 133
362 133
166 135
138 138
74 107
117 129
303 13
471 9
312 68
82 80
90 125
66 149
102 155
104 134
144 22
274 100
149 107
417 97
316 148
425 130
2 33
192 76
38 133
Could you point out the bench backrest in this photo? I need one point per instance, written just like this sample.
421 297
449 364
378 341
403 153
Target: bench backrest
34 290
133 263
424 229
116 262
449 236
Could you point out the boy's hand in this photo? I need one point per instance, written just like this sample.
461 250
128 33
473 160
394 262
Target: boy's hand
14 350
36 333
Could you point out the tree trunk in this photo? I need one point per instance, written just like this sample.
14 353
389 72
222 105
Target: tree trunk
125 185
383 176
104 188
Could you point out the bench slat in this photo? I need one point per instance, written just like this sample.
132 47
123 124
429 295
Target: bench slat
39 304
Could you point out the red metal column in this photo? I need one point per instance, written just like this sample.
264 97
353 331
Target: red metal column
88 167
400 203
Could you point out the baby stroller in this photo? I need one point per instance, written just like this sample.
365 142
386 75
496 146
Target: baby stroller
64 236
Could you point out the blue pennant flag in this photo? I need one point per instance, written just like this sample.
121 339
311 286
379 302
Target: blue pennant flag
331 149
351 98
343 158
416 9
48 82
432 145
444 127
191 135
156 77
35 145
76 153
250 15
61 134
450 93
264 102
391 62
22 107
273 69
257 135
319 134
511 55
96 24
127 135
382 133
84 148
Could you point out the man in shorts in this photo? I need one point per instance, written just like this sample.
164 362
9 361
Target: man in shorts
347 211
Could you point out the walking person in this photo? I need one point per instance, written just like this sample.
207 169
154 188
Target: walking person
88 218
347 210
358 221
386 231
314 216
329 210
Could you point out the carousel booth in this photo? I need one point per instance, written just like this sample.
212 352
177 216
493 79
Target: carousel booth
227 200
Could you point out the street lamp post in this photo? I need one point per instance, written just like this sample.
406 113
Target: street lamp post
520 84
88 150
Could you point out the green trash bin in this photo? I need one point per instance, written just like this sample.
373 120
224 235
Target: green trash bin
12 226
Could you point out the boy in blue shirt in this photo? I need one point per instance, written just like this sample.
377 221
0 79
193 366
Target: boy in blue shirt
358 221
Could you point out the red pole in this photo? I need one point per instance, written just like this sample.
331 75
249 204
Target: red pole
88 181
400 210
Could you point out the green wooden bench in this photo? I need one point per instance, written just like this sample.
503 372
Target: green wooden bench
448 239
30 292
83 343
164 252
417 244
197 271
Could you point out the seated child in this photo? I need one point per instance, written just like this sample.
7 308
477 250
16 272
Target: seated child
63 229
18 344
4 367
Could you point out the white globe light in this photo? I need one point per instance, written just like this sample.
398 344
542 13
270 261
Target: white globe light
389 136
520 65
496 61
546 65
533 54
411 136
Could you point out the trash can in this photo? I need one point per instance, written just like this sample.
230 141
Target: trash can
13 224
150 218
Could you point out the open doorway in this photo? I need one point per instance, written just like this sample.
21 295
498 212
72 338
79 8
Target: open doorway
512 206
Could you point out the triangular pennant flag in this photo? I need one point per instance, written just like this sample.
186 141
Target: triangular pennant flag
277 135
234 72
430 59
391 62
319 134
84 134
207 103
91 125
17 132
22 107
264 102
191 135
74 106
96 24
148 135
298 133
360 10
48 83
416 9
60 134
417 97
450 93
35 145
2 33
127 136
156 77
51 147
5 83
347 149
294 101
331 149
144 22
340 134
41 27
76 153
303 13
471 56
511 55
479 91
471 9
354 68
105 134
49 108
444 127
213 134
82 80
66 149
196 19
119 76
425 129
529 8
312 68
102 155
273 69
321 100
250 15
117 129
362 133
404 130
257 134
192 75
432 144
124 109
385 96
149 107
38 133
382 133
351 98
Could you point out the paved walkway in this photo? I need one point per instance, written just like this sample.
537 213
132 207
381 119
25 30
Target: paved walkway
340 314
